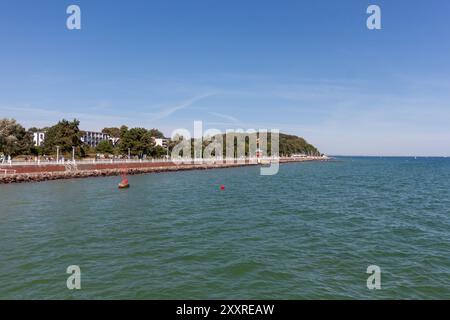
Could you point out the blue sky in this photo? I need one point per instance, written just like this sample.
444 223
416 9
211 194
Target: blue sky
310 68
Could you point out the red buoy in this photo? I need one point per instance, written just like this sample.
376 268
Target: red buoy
222 187
124 183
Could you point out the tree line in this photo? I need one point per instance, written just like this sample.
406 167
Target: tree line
16 140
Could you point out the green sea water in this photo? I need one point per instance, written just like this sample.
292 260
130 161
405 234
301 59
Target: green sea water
309 232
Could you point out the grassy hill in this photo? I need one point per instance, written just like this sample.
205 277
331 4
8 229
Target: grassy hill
289 145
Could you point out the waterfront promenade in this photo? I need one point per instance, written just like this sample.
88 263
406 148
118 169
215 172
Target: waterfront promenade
43 171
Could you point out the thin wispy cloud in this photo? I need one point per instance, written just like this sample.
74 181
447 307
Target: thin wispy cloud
169 110
230 119
337 116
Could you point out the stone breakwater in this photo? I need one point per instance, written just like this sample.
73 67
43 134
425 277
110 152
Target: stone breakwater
58 175
38 173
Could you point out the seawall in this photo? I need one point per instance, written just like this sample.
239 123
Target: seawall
43 172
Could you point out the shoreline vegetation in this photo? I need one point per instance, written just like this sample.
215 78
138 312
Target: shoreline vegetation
65 140
48 172
35 155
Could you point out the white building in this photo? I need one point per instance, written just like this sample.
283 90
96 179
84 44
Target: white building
92 138
38 138
161 142
114 141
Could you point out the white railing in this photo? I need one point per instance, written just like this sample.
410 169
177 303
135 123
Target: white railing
124 161
84 161
7 171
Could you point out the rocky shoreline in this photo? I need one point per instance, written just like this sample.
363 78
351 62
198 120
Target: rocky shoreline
104 171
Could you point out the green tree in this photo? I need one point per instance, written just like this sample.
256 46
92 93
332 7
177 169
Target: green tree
34 129
288 145
14 139
112 132
105 147
156 133
123 131
158 152
138 140
64 134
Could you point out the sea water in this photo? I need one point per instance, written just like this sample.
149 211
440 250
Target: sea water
309 232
